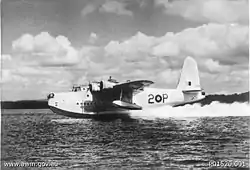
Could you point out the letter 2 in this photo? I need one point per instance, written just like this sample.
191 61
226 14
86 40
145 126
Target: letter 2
150 98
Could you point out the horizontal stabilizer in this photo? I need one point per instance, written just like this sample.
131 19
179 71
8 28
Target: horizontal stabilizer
192 91
126 105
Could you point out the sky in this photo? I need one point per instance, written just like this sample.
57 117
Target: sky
49 45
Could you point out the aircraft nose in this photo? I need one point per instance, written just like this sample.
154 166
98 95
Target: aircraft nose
51 99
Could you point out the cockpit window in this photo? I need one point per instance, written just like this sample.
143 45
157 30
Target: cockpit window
78 88
75 89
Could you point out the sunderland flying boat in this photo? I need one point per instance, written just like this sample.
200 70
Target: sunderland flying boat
110 97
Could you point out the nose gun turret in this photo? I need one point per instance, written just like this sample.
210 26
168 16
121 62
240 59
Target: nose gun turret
51 95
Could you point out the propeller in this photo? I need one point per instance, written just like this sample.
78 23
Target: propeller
89 87
101 85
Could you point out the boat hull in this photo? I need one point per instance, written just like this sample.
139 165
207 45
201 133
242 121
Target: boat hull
91 115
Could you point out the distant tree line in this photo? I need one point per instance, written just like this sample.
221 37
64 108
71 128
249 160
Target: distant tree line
42 104
243 97
25 104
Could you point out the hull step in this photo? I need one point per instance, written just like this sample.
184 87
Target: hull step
126 105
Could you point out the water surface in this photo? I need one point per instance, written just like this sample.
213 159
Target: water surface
39 135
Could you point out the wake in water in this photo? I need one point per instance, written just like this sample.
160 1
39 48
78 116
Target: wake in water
215 109
69 121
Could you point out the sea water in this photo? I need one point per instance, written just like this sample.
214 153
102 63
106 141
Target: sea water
164 138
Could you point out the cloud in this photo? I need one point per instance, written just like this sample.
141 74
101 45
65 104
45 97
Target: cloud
143 3
8 76
27 82
221 51
5 58
5 76
164 76
88 9
218 49
166 49
117 7
107 6
217 41
238 76
222 11
18 71
32 71
214 66
27 68
133 48
93 38
46 50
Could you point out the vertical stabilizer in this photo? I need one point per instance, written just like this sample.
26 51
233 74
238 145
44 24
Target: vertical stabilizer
189 79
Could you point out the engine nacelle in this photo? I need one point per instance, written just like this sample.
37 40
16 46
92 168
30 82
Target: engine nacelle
98 86
95 87
108 85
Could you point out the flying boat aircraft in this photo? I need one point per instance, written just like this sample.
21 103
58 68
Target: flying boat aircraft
113 98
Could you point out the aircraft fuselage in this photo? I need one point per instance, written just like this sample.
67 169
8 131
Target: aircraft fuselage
83 103
111 97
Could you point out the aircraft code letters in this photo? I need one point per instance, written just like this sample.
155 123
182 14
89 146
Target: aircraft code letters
157 98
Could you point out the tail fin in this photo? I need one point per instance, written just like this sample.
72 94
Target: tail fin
189 79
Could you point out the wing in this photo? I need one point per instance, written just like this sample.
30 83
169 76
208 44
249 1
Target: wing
121 95
134 86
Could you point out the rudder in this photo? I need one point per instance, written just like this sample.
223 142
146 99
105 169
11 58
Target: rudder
189 78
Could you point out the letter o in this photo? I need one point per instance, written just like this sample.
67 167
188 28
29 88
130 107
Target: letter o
158 98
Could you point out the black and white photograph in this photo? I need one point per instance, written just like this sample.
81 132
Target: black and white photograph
125 84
